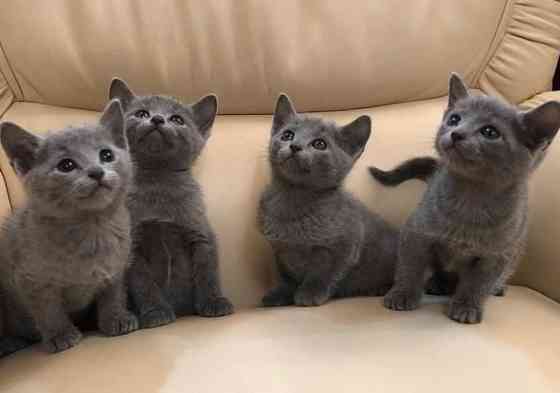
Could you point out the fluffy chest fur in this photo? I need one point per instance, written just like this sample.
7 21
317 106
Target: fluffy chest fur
472 221
87 253
315 220
172 198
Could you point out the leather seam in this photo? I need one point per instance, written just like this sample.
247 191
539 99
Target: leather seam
495 40
11 70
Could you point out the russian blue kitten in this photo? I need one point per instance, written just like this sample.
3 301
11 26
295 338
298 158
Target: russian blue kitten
326 243
472 220
66 251
175 259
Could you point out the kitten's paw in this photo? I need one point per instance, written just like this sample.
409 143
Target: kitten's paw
215 307
401 301
278 297
465 313
157 317
310 297
119 325
63 341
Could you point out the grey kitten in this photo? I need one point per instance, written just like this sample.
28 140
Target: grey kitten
65 253
175 258
472 219
326 243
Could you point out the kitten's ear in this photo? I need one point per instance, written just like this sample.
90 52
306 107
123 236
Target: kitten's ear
283 113
204 112
354 136
457 89
542 123
20 146
119 89
112 120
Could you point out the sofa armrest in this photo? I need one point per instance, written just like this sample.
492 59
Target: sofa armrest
540 269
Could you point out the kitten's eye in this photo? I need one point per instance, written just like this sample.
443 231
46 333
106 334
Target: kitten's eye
66 165
177 119
106 155
453 120
319 144
142 114
490 132
287 135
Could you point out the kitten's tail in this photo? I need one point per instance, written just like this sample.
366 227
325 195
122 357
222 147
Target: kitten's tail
416 168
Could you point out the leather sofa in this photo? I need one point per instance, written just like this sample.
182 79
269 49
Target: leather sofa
387 59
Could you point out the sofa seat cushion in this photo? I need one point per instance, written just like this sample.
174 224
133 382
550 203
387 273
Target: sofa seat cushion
350 345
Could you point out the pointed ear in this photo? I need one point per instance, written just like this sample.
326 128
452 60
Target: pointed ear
354 136
542 123
20 146
283 113
457 89
204 112
119 89
112 120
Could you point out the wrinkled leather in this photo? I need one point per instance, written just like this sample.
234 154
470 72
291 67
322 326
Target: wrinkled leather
331 54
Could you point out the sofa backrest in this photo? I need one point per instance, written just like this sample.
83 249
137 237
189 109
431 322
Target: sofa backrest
330 54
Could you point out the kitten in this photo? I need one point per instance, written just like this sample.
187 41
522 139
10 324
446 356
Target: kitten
472 219
66 251
175 258
326 243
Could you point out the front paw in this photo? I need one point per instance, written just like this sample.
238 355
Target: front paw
63 341
399 300
465 313
215 307
157 317
307 297
118 325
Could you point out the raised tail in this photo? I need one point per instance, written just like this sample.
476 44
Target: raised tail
416 168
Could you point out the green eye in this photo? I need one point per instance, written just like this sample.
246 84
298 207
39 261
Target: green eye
66 165
106 155
453 120
142 114
319 144
177 119
287 135
490 132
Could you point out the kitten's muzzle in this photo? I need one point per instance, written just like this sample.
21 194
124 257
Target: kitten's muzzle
96 174
157 120
295 148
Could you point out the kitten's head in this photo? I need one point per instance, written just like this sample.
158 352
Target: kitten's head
488 140
75 170
162 132
311 152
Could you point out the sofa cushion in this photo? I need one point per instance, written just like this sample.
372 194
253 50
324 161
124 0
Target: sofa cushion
330 54
352 345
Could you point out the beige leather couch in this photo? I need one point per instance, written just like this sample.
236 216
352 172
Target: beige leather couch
389 59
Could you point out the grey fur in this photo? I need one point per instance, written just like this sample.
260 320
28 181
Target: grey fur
326 243
65 253
472 219
175 258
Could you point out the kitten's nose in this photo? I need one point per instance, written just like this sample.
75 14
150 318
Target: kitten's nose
96 173
295 148
157 120
456 137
